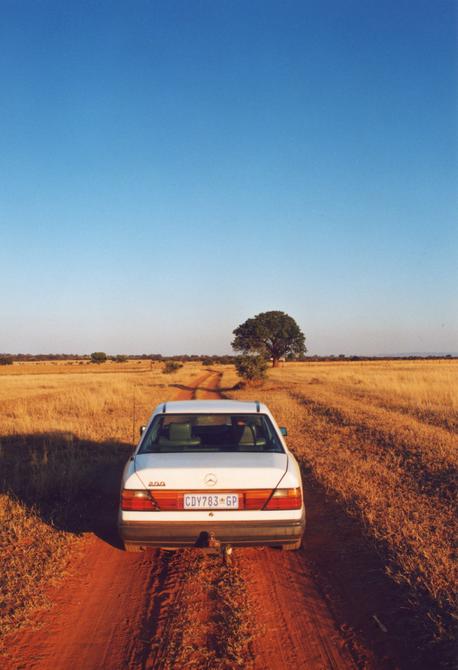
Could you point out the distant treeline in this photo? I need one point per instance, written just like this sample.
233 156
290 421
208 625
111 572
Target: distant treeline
8 359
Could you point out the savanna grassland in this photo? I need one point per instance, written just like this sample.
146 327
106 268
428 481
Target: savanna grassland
379 438
66 430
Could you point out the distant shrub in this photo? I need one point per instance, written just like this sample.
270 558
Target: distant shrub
6 360
120 358
251 368
98 357
207 361
171 366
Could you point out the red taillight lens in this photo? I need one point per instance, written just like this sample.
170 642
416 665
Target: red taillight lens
256 498
168 501
137 501
285 499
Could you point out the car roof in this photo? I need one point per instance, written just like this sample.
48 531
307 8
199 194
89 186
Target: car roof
211 407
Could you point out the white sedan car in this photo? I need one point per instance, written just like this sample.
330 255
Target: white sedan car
211 473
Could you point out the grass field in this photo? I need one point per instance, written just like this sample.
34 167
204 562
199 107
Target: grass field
382 438
378 436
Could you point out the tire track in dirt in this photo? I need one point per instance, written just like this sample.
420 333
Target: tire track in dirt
184 610
298 629
94 615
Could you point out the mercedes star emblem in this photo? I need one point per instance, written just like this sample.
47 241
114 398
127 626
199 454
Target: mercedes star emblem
210 479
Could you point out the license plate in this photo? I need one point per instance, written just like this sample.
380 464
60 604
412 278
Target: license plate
211 501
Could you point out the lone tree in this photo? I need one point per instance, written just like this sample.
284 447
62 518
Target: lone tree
270 334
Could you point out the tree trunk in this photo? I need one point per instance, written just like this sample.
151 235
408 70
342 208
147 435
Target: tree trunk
275 362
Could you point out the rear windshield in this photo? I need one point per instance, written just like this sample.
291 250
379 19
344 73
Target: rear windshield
177 433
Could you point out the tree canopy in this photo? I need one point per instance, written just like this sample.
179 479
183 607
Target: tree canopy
271 334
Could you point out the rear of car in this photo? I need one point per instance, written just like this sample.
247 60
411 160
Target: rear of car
211 471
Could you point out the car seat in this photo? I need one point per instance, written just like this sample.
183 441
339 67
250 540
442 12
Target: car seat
179 436
246 439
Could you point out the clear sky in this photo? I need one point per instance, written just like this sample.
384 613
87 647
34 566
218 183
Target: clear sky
169 169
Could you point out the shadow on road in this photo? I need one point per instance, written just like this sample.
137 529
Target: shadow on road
71 484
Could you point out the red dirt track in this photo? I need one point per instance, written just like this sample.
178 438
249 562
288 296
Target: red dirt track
164 610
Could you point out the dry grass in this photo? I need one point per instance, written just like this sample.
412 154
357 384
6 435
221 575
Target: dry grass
381 436
95 404
61 428
25 536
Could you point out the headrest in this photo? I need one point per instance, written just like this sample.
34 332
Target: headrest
179 432
246 435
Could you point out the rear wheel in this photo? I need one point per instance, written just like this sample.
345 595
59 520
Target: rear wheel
292 546
132 548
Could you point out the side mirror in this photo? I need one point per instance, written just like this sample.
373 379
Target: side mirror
283 431
142 430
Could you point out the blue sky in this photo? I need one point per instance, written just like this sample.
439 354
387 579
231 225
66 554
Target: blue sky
169 169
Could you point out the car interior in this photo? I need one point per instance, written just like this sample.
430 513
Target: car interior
219 433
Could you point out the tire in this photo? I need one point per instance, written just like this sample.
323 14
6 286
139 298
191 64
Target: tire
293 546
132 548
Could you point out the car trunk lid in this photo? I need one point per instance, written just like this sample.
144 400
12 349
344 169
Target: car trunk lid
210 471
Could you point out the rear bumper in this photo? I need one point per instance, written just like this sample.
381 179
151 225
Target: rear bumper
194 533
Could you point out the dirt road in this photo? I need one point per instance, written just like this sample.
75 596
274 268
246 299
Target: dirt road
186 609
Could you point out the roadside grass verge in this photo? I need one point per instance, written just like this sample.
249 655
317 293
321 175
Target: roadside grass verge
395 471
33 553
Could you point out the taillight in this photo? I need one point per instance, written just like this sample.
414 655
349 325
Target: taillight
285 499
255 499
168 500
137 501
